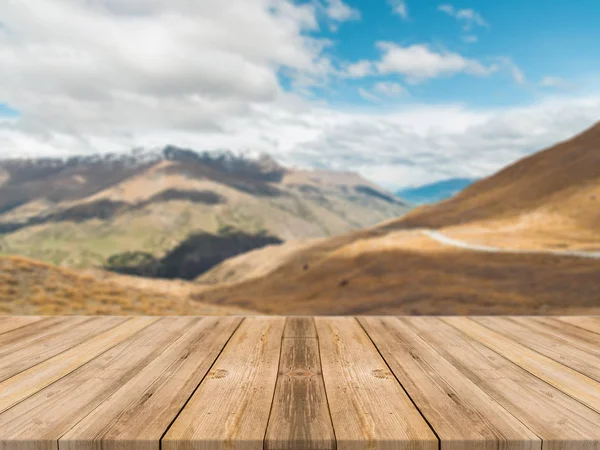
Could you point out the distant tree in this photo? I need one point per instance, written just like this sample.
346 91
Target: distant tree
227 230
133 263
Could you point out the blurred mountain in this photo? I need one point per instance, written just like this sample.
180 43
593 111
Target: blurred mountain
81 211
560 183
548 201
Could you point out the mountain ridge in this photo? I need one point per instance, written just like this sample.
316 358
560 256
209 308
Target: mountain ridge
392 267
82 210
396 268
546 179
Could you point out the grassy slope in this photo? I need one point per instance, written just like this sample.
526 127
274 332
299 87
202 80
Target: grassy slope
30 287
560 182
159 227
90 243
548 200
379 272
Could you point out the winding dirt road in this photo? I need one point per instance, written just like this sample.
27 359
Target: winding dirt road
445 240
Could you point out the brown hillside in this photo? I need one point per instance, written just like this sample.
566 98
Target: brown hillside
30 287
561 185
404 272
549 200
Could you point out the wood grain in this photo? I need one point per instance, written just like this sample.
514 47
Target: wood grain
230 409
16 358
270 383
369 409
39 421
12 323
34 379
560 421
565 379
574 335
577 355
587 323
300 327
462 414
143 408
300 417
22 336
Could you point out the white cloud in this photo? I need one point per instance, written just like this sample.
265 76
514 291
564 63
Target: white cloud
467 17
389 88
339 11
399 7
381 91
411 145
123 66
554 82
420 144
364 93
418 62
470 39
359 69
518 75
448 9
514 70
91 75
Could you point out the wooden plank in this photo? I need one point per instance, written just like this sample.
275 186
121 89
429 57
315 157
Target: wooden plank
300 417
565 379
16 358
578 356
12 323
369 408
300 327
463 416
28 382
576 336
230 409
560 421
143 408
22 336
39 421
587 323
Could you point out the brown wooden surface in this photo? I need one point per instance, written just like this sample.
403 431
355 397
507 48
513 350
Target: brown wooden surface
230 409
21 355
575 353
299 383
28 382
300 413
12 323
369 409
559 420
553 372
587 323
464 416
143 408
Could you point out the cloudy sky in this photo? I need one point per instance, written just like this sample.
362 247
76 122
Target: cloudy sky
403 91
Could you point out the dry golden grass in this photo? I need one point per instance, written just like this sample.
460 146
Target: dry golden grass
547 201
379 272
254 264
30 287
555 188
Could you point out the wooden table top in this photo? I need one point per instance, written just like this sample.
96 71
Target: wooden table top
273 383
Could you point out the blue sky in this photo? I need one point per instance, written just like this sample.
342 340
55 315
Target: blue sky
405 92
550 44
7 111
